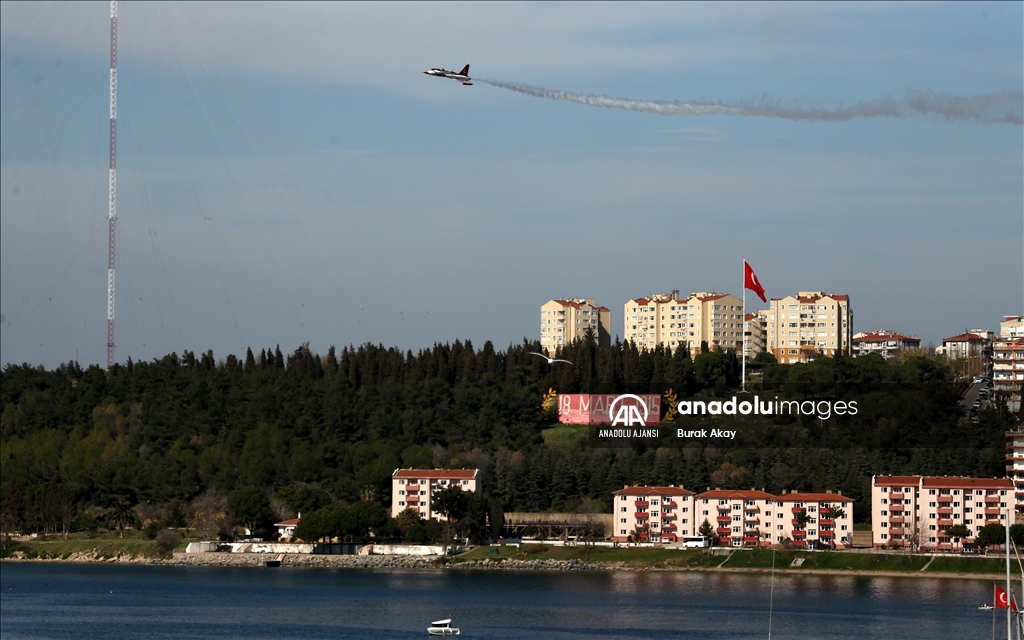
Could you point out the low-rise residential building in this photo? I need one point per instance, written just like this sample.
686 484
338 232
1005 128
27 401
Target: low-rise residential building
740 518
563 321
414 488
916 512
812 323
1008 370
815 520
887 344
704 317
286 528
970 352
652 514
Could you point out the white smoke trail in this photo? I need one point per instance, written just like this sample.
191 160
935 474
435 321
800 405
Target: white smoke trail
1004 108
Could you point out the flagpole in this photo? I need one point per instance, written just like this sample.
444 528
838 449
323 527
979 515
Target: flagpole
1009 587
743 356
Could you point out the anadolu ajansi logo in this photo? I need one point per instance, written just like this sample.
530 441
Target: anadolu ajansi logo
628 414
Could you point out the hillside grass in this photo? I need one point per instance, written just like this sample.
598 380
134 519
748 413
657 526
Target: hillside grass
564 434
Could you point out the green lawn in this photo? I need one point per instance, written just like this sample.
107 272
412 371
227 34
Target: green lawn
741 559
972 564
835 560
61 549
646 556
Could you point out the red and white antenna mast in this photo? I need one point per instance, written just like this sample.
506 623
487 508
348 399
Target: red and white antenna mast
112 208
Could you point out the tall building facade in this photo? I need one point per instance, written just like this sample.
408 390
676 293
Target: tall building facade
665 319
1008 370
801 327
562 321
755 328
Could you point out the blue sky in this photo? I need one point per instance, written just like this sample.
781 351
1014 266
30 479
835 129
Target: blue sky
287 174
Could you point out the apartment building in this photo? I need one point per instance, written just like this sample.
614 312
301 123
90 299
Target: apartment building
652 514
665 319
414 488
1011 327
812 322
815 520
887 344
562 321
755 328
970 352
915 512
1015 469
1008 370
740 518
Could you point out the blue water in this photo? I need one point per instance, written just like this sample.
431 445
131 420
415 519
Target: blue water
98 601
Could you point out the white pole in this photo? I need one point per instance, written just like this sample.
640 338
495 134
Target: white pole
743 356
1009 587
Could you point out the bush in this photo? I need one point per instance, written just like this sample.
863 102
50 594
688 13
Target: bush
167 540
151 530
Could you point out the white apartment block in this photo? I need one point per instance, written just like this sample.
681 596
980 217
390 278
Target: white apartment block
652 514
914 512
887 344
665 319
563 321
812 322
414 488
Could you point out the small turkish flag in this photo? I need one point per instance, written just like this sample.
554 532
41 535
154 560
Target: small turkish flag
1003 600
751 282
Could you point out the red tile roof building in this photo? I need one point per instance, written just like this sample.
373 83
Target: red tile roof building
667 320
887 344
414 488
563 321
914 512
652 514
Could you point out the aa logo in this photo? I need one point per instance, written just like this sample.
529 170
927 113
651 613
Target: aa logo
629 410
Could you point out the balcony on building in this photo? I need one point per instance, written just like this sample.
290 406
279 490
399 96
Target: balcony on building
641 515
641 503
797 510
671 504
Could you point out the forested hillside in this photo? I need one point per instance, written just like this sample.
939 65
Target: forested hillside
175 437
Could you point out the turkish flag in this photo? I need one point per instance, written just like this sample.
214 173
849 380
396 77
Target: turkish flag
1003 600
751 282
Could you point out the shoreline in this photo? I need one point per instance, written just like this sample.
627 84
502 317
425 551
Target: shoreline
437 564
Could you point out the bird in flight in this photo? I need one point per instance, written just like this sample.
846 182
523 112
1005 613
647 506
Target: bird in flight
550 360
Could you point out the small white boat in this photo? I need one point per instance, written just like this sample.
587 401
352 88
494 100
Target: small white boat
442 628
986 607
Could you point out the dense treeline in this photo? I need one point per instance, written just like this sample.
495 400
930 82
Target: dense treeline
177 436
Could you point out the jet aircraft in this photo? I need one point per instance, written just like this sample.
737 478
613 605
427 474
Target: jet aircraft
461 76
